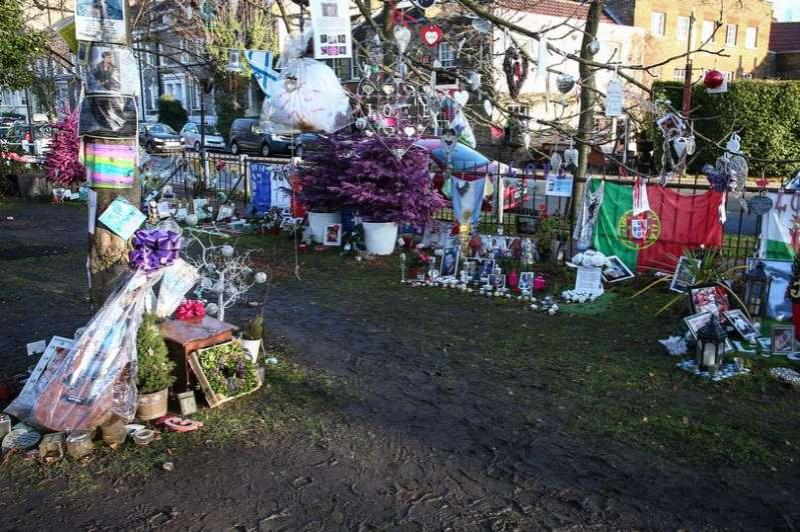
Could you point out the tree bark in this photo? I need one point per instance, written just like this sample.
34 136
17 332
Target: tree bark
108 253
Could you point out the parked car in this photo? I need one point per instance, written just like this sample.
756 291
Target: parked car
191 137
158 137
247 136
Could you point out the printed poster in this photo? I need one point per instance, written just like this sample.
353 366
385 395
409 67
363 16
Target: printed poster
111 70
332 32
558 185
270 186
100 21
178 279
122 218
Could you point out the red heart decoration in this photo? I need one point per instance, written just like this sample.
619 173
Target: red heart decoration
431 35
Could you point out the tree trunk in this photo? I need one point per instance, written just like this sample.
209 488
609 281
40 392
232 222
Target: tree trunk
108 253
588 98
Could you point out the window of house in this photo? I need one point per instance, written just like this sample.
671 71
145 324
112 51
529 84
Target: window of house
447 55
728 76
751 38
730 35
708 30
679 74
196 96
658 23
682 33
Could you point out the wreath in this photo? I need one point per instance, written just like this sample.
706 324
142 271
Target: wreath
228 369
515 65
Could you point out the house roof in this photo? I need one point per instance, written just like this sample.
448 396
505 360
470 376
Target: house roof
784 37
555 8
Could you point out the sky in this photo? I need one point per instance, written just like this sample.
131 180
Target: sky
787 10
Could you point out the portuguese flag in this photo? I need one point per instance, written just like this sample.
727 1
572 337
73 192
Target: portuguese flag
656 238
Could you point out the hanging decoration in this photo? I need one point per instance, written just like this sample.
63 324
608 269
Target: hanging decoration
515 66
715 82
541 58
402 38
571 156
614 98
481 25
730 170
587 216
678 145
565 83
488 109
641 202
431 35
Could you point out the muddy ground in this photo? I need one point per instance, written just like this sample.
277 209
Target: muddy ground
422 436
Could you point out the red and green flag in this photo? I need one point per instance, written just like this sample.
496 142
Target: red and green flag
655 238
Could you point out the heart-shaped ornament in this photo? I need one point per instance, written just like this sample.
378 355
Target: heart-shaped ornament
678 146
474 81
368 89
555 163
431 35
487 107
565 83
402 37
388 90
409 131
461 97
571 157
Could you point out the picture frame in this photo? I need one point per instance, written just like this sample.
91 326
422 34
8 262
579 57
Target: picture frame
682 278
782 340
741 324
695 322
526 281
617 271
497 281
485 269
449 262
333 235
711 297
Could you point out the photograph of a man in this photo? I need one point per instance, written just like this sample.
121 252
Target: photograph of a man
105 74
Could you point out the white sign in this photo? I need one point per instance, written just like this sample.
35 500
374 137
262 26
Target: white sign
100 21
332 32
614 99
589 280
178 279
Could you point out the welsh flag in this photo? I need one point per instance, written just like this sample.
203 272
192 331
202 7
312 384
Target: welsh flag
657 237
780 230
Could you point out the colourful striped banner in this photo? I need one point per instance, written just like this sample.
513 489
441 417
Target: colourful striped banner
110 165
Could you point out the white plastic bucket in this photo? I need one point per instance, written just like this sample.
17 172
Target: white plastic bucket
380 238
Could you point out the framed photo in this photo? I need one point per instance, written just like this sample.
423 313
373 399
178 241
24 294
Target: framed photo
695 322
711 298
333 235
671 125
782 340
526 281
780 272
485 269
683 277
739 321
618 271
449 262
497 280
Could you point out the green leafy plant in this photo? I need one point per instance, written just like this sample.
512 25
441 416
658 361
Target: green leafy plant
706 266
228 369
547 230
154 366
255 328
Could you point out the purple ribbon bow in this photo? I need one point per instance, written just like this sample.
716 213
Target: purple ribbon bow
154 249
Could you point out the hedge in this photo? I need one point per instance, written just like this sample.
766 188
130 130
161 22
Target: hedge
766 114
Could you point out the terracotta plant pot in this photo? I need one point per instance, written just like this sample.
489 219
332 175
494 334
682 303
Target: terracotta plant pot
152 405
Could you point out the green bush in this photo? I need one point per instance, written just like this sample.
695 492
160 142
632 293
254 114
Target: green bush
171 112
766 114
154 367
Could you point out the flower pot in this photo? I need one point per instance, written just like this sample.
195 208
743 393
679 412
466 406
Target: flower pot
380 238
152 405
318 221
252 347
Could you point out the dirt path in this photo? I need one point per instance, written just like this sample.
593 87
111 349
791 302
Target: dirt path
426 440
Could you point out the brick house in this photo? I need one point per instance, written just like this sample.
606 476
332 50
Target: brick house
784 48
744 34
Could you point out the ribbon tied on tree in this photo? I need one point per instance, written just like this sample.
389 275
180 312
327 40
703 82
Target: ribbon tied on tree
154 248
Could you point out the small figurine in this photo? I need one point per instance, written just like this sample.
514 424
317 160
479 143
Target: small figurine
515 249
475 245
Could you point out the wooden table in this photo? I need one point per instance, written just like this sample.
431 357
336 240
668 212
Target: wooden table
184 336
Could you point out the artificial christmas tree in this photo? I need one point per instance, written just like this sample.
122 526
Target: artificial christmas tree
62 165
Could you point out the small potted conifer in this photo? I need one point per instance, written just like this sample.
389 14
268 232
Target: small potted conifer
154 372
251 337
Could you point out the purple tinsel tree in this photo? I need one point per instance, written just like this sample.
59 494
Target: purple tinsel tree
62 165
385 188
321 173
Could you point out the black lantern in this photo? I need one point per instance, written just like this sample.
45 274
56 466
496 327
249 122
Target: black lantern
711 340
756 290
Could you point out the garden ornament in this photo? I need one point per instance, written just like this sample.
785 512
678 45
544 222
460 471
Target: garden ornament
515 66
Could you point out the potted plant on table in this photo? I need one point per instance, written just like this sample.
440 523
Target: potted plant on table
319 176
388 183
154 373
251 337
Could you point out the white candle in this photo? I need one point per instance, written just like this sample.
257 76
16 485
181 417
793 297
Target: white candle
709 355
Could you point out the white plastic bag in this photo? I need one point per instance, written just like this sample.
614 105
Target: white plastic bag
307 97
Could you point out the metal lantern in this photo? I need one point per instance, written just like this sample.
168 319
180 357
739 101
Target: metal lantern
710 346
756 290
234 60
